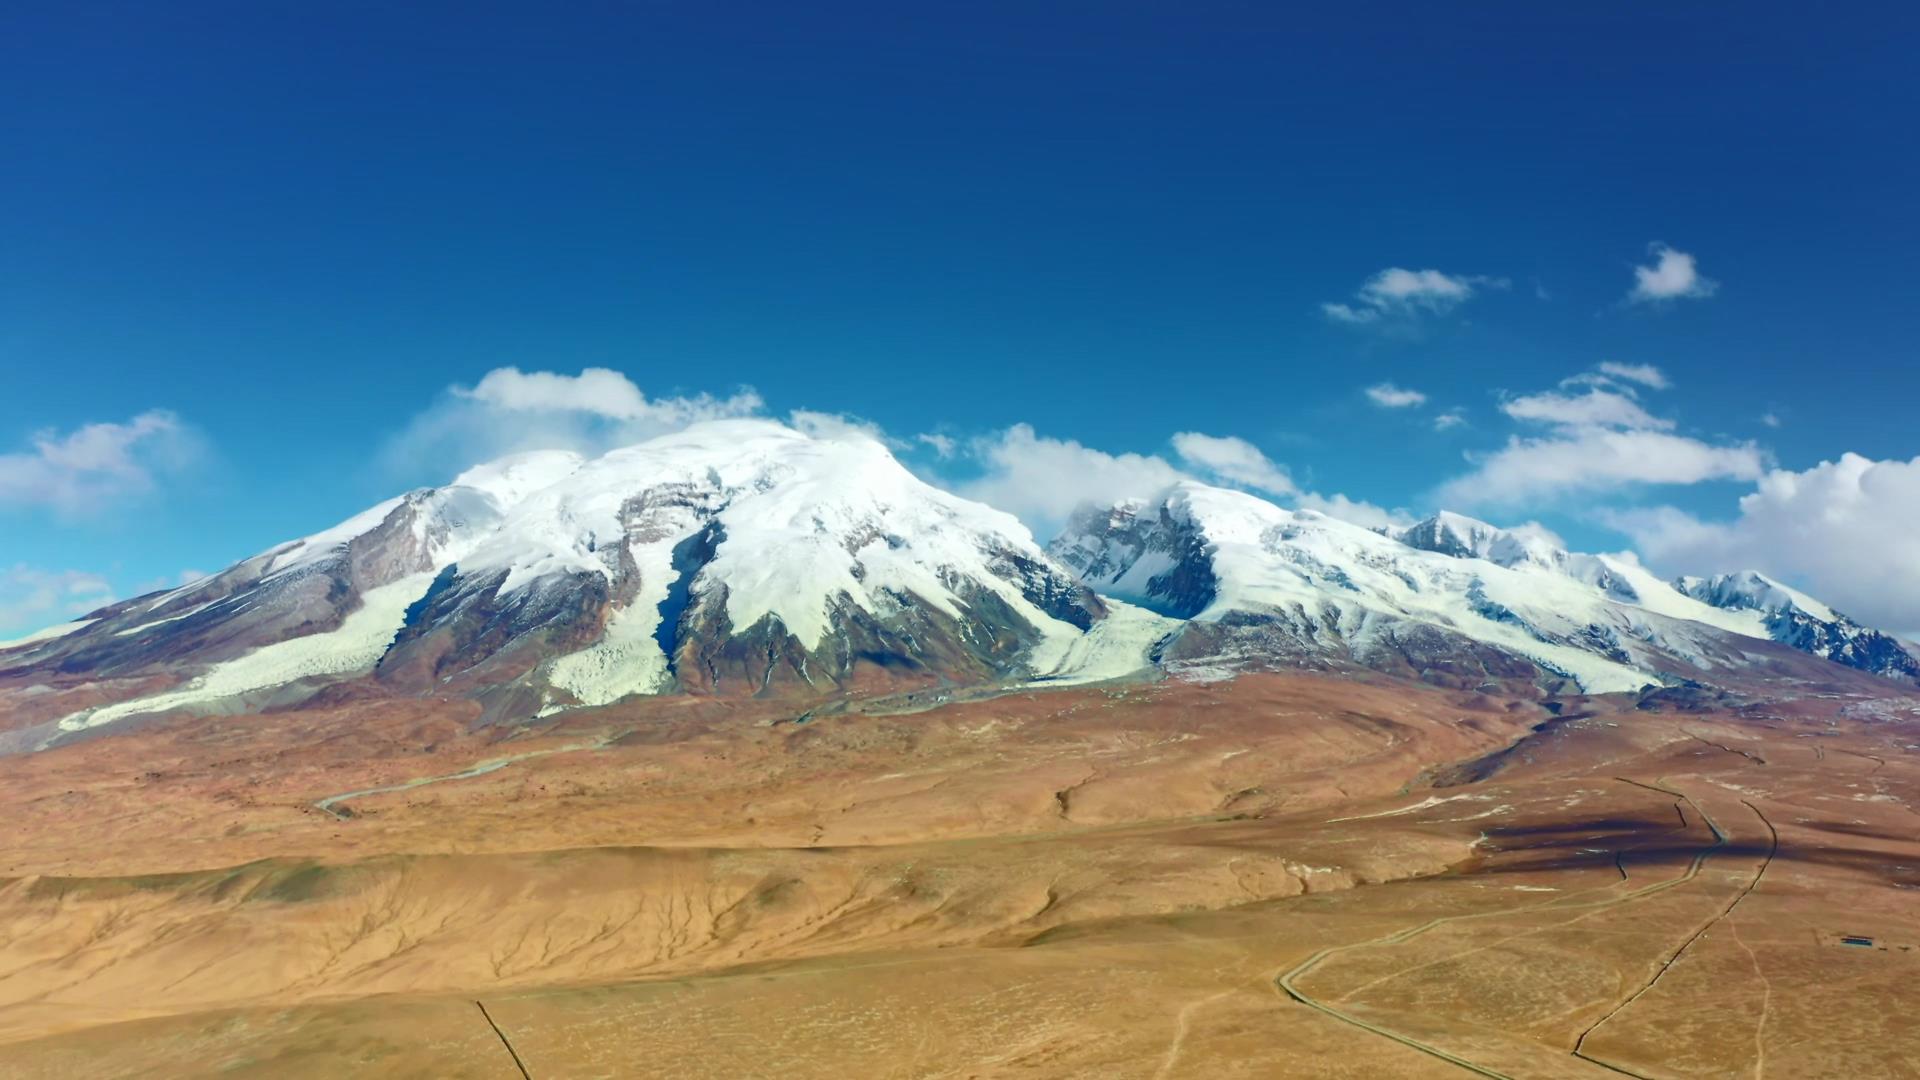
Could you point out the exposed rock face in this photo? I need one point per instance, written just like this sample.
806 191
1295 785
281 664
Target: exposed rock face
1164 562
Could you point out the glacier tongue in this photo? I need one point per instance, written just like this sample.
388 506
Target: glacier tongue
353 648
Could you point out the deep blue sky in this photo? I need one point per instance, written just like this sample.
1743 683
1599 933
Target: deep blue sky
296 225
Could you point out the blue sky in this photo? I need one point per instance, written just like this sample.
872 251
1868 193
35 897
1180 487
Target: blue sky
286 239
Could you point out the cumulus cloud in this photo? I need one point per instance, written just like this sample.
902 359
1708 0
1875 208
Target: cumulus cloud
1042 480
1673 276
510 410
1597 459
1388 396
1847 531
86 470
1364 514
32 597
600 391
1599 439
1234 460
1398 293
1449 420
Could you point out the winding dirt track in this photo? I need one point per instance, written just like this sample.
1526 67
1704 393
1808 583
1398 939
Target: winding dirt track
1773 848
326 805
1286 982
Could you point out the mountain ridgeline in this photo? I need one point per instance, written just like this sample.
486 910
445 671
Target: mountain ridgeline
744 557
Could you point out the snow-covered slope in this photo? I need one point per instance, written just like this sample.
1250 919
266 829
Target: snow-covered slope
736 556
1793 618
1450 598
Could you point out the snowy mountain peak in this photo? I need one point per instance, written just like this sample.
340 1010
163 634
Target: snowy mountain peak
1448 533
509 480
1752 590
1794 618
1447 597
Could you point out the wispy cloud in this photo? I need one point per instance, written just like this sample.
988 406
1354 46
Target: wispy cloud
1593 408
1400 294
87 470
943 446
1645 374
1388 396
32 597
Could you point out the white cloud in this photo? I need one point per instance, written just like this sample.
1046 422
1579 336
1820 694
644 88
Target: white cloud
510 410
1388 396
1599 440
85 470
1234 460
944 446
31 597
1644 374
835 426
1043 480
1770 419
1597 459
1596 407
1449 420
1673 276
601 391
1365 514
1400 293
1533 530
1847 531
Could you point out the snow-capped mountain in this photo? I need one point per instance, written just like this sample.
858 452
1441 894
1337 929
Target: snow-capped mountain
744 557
1793 618
1449 599
734 557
